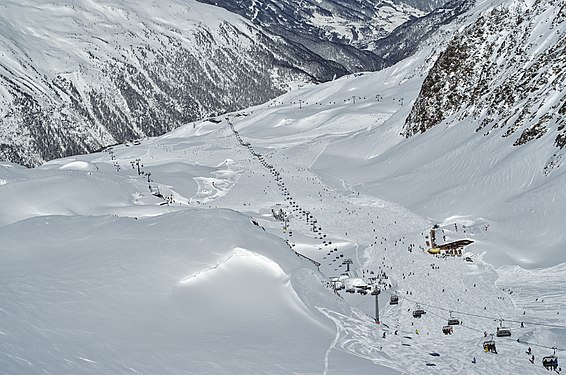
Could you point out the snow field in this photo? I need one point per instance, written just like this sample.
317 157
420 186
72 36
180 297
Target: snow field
179 266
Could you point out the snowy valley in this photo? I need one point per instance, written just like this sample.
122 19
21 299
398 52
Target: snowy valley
221 246
77 76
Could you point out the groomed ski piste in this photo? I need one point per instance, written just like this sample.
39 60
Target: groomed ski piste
212 249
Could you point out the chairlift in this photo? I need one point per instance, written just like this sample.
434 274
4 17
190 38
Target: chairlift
418 312
503 331
550 362
447 330
394 300
489 346
453 321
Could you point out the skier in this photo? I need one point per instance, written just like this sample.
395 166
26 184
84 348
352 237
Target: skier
474 360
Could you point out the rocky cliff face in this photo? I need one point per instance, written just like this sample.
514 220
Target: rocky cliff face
505 71
75 77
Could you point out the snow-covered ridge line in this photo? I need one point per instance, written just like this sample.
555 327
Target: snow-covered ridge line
75 77
505 71
98 287
343 23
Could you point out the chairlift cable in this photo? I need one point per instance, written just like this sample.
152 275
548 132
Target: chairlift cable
482 316
502 338
490 318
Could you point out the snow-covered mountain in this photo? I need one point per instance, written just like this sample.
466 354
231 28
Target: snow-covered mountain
79 76
166 256
424 5
382 32
216 248
76 76
506 71
409 37
328 27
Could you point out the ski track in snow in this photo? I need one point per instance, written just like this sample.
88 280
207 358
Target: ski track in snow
350 338
358 226
332 344
354 337
210 188
228 164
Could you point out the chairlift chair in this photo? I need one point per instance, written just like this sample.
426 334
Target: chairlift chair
453 321
489 346
550 362
447 330
503 332
418 313
394 300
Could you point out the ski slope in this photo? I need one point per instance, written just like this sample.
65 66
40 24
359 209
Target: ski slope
163 255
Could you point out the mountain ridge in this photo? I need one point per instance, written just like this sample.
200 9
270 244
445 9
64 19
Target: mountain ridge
506 72
112 73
